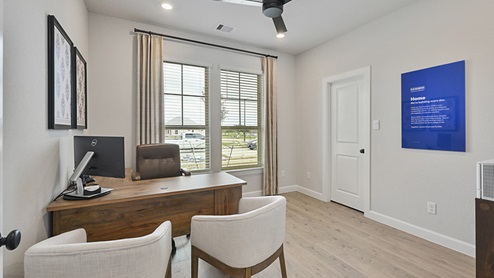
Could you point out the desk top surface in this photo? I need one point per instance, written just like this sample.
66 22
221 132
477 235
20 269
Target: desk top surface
128 190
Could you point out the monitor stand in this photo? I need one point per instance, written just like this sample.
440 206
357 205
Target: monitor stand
75 196
84 193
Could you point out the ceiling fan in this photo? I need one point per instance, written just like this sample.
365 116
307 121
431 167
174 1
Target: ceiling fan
270 8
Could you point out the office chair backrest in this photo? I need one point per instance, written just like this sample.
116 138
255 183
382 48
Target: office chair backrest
158 161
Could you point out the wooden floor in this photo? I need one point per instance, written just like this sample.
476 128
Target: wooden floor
330 240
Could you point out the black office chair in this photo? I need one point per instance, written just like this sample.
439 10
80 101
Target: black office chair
155 161
158 161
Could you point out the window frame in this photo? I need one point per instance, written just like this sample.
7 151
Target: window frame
192 128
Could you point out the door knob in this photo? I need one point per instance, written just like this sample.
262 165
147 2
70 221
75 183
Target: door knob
12 240
362 150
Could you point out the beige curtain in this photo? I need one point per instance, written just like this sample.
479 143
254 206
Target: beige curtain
270 177
150 117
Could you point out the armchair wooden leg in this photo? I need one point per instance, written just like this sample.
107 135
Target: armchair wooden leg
248 272
282 263
194 263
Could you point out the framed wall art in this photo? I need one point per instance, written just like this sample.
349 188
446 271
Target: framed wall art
79 108
433 108
60 76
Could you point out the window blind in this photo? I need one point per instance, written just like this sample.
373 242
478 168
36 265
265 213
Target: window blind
241 119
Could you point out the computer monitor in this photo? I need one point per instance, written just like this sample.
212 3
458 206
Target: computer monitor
108 159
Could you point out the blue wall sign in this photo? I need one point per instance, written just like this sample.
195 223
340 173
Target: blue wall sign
433 108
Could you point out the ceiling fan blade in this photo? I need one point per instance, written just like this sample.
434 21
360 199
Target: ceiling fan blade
255 3
279 24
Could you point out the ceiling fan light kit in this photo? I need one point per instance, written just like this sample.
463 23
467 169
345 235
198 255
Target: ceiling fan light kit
272 9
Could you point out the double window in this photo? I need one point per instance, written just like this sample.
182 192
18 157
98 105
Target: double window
187 122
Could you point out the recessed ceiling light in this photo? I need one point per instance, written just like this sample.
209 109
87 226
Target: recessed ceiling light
280 35
166 6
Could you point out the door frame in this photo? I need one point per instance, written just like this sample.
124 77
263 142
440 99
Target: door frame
365 74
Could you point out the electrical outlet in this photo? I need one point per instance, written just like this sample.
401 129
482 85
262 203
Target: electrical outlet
283 173
308 175
431 207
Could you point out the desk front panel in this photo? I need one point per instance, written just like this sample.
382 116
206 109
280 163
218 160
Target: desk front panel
226 200
135 218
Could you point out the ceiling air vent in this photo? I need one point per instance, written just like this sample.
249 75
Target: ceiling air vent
224 28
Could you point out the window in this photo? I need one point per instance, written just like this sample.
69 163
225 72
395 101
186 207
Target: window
241 119
186 91
187 121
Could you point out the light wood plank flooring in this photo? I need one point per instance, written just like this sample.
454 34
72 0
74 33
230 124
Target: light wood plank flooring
330 240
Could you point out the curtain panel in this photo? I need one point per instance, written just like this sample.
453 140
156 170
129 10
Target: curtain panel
150 117
270 176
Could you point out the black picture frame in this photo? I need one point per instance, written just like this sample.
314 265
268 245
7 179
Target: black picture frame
60 76
79 103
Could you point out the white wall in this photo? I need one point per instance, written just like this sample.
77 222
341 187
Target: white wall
1 133
37 161
112 86
425 34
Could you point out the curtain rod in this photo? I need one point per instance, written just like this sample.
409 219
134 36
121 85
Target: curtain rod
204 43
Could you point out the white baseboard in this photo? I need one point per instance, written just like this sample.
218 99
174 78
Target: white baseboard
443 240
311 193
286 189
281 190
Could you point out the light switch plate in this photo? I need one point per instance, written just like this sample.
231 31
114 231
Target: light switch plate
376 125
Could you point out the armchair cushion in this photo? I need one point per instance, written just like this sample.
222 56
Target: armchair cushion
69 255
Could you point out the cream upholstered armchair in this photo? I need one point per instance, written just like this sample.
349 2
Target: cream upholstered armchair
242 244
69 255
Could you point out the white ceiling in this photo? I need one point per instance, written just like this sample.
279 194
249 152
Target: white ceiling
309 22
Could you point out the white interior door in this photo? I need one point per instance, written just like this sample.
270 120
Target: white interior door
349 137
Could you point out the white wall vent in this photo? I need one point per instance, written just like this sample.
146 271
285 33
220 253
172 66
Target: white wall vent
485 180
224 28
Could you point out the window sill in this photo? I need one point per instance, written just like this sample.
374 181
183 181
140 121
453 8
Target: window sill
246 172
241 172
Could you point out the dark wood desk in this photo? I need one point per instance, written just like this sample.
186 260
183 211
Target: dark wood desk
136 208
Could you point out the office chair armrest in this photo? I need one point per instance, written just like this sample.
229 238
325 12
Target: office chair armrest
185 172
136 176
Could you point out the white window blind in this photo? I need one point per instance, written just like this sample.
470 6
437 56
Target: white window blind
241 119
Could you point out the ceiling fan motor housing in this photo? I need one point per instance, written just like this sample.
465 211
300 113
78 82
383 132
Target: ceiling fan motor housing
272 8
